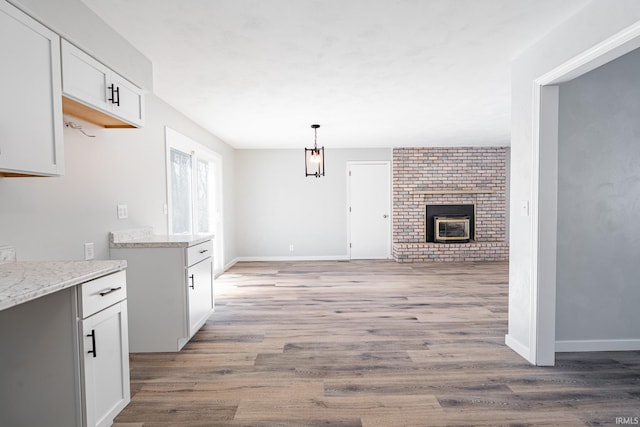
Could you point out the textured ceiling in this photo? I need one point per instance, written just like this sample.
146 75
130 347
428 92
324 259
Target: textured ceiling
373 73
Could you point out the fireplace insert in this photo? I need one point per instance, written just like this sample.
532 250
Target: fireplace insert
451 229
458 226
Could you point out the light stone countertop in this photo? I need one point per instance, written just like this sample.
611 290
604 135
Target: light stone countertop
21 282
143 238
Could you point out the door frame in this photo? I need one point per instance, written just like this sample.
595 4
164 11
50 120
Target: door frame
544 207
348 204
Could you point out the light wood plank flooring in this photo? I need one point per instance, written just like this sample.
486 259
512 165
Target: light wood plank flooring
370 343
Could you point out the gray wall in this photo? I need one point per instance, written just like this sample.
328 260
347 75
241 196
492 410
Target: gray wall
599 204
278 206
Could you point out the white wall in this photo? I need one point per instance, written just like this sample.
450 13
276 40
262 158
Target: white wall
51 218
599 205
278 206
599 20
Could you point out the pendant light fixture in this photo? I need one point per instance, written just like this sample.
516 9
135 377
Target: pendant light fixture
314 157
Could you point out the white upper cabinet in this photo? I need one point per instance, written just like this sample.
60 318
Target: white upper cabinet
31 112
96 93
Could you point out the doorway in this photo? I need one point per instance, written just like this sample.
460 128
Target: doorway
369 210
541 347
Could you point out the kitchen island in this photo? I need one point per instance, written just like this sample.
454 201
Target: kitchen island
64 353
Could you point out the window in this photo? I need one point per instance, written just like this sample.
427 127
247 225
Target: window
194 188
181 203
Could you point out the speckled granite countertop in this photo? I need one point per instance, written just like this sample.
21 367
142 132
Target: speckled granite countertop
21 282
143 238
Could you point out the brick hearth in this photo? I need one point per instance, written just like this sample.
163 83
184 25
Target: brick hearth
461 175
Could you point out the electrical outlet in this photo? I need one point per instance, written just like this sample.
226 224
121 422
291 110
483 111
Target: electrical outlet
291 247
123 212
88 251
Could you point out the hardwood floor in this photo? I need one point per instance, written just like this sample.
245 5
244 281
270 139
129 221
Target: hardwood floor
371 343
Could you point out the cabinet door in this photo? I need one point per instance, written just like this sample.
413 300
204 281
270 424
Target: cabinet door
105 352
84 78
31 111
130 105
200 291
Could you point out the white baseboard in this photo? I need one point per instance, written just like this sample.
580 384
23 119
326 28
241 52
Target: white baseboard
518 347
295 258
230 264
597 345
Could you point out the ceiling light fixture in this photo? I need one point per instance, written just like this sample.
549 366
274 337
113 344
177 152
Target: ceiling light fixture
314 157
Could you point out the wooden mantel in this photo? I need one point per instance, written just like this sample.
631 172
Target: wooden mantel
456 191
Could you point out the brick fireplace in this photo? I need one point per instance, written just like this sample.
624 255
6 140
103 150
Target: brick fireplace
449 176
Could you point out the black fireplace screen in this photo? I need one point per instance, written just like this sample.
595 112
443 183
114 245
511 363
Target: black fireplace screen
448 211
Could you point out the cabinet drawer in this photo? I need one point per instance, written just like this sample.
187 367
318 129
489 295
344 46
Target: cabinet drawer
199 252
100 293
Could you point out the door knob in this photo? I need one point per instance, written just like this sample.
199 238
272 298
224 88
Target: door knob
385 216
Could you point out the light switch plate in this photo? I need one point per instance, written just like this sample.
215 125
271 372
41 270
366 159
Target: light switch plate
123 212
88 251
524 208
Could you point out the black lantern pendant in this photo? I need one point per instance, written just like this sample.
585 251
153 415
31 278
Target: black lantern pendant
314 157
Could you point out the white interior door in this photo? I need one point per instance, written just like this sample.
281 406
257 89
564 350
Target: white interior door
369 210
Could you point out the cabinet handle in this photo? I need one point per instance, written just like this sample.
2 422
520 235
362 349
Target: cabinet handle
193 282
115 94
103 293
111 87
204 250
93 343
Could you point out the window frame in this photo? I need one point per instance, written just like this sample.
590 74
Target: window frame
176 140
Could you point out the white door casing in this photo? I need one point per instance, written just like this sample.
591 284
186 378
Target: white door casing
369 209
541 346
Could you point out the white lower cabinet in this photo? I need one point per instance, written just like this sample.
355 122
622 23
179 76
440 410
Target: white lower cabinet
200 294
104 346
170 293
64 357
